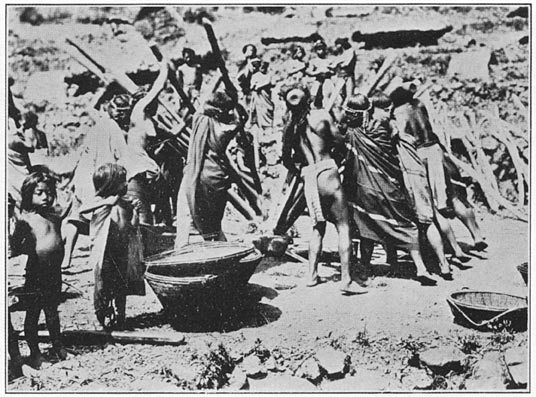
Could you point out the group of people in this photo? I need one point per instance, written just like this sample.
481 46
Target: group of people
396 187
371 166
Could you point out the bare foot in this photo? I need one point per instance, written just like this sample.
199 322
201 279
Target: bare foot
462 258
353 288
315 281
459 263
426 279
446 276
481 246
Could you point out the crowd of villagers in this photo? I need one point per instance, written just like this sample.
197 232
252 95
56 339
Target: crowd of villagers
370 164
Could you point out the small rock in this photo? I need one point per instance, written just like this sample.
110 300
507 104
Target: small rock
517 362
253 366
309 370
238 380
284 286
182 372
29 372
333 361
416 379
270 364
281 383
488 374
442 360
364 380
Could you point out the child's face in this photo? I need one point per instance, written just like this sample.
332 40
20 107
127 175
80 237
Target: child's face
42 196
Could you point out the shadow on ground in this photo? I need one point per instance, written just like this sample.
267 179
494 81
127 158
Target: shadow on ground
225 314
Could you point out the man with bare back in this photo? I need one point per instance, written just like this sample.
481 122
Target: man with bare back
311 134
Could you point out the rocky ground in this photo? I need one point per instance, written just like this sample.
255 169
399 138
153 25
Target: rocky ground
288 337
282 335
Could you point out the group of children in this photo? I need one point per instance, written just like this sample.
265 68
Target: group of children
37 234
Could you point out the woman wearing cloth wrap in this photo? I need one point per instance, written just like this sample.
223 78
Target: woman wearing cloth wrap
372 183
206 178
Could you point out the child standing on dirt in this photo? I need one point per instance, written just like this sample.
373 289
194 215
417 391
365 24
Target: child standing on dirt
116 253
37 234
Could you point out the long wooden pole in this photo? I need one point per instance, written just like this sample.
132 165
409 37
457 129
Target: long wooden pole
217 53
96 337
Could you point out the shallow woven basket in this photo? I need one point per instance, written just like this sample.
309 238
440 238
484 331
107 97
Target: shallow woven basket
478 307
524 271
210 257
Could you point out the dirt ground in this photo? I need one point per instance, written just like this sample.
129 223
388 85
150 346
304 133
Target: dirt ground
292 321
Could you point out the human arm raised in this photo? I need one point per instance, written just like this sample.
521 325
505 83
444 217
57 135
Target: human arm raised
158 86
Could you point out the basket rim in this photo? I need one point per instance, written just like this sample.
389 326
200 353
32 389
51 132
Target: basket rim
243 250
174 279
255 255
453 298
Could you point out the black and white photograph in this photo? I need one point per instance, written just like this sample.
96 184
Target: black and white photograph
267 198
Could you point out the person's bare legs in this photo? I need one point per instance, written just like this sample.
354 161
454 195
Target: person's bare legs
13 349
366 249
467 216
391 253
30 332
446 230
436 241
120 305
70 232
256 147
315 249
338 214
52 318
423 275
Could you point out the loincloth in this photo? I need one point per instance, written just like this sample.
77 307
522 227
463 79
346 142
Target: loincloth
310 186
